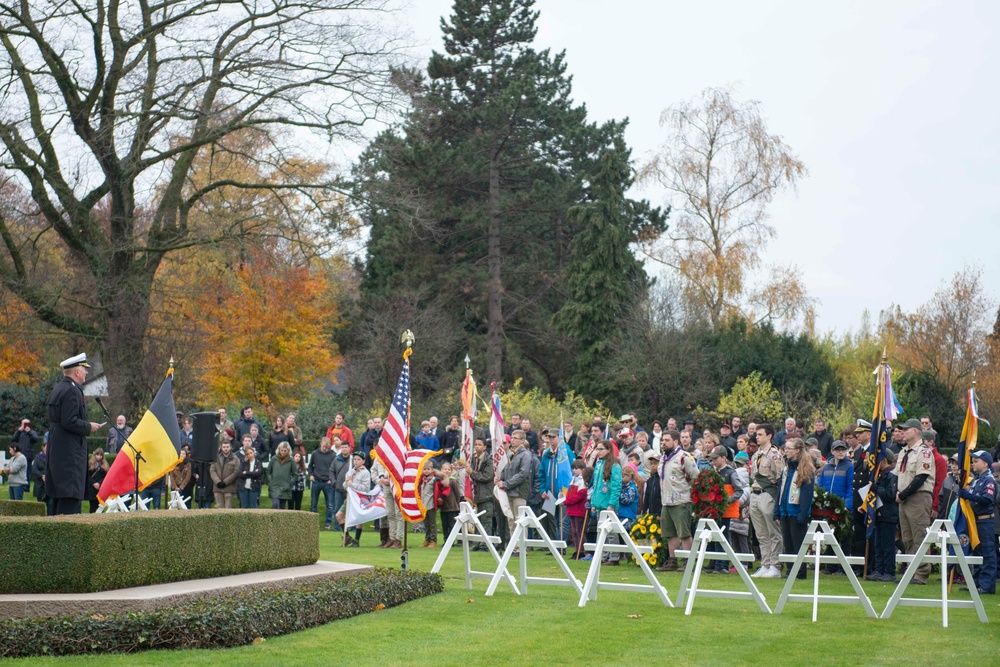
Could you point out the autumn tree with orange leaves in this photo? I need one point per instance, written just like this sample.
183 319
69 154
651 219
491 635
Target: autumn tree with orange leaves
268 329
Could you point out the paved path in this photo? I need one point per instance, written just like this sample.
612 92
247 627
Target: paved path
145 598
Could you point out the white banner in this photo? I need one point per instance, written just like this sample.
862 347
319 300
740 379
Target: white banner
364 507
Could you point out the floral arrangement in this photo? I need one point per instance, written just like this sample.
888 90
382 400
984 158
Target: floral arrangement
708 494
646 531
831 508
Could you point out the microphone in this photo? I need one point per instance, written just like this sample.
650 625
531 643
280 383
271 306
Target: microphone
101 403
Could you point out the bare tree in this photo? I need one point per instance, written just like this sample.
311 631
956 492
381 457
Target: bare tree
723 169
105 106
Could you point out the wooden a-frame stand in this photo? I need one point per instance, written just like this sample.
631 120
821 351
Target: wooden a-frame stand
467 517
609 524
943 534
706 533
818 536
519 541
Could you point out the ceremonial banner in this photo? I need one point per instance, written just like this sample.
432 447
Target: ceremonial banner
887 408
157 438
468 430
364 507
497 432
965 518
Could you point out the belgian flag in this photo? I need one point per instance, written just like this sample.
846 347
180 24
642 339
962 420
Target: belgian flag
157 438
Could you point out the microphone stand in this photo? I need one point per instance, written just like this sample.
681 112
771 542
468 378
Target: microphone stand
135 452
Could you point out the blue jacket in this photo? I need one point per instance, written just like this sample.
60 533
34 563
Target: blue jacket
548 471
606 494
786 506
628 502
837 477
982 495
427 441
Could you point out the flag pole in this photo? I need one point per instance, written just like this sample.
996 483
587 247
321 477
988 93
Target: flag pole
407 340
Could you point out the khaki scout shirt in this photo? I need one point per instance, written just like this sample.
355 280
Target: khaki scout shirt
766 468
677 471
916 460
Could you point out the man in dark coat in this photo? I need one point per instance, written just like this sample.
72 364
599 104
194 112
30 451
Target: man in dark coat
69 428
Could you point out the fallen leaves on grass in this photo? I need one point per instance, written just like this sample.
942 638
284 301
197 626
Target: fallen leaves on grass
634 616
259 640
379 607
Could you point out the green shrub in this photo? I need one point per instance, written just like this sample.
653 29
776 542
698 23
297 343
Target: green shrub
217 622
97 552
21 508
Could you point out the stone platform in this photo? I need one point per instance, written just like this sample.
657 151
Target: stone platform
146 598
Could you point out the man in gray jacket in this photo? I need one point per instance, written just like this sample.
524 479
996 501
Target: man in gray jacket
515 479
16 472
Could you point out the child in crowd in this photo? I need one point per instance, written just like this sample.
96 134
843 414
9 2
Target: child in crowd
447 496
427 498
576 506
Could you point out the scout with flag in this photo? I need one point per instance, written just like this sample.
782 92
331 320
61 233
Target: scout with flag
886 408
151 451
976 507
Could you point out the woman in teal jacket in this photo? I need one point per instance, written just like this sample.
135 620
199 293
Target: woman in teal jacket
607 485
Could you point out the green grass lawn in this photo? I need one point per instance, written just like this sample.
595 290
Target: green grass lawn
545 627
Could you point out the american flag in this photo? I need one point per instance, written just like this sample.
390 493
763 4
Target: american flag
405 466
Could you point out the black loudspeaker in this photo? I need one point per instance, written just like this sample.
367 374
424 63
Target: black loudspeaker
205 437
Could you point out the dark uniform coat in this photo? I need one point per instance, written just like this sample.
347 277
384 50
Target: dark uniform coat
68 430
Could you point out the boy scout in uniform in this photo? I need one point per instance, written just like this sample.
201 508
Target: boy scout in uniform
916 472
766 467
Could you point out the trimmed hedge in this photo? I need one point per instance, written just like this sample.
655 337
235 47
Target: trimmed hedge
21 508
98 552
217 622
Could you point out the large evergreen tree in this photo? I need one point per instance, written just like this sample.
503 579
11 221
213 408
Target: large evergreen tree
468 204
604 279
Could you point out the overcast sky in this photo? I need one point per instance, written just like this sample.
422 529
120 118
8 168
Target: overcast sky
892 105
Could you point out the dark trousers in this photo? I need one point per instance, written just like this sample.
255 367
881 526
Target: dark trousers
885 547
861 540
792 534
327 490
550 525
339 498
447 522
720 565
297 500
986 578
576 530
68 506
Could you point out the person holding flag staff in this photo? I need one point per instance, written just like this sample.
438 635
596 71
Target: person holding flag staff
982 497
554 476
66 477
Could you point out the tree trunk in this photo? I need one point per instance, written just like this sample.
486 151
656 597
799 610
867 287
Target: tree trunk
494 283
130 383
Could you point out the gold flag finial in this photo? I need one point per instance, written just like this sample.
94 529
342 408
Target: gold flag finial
407 339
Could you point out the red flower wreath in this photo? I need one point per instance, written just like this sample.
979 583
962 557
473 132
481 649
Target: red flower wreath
708 494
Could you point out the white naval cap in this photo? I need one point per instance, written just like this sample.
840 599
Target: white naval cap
73 362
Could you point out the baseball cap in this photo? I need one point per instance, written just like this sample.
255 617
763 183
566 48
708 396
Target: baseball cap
624 432
983 455
718 452
911 423
838 444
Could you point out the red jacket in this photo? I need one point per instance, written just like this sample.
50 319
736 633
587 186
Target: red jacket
576 500
345 435
940 472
